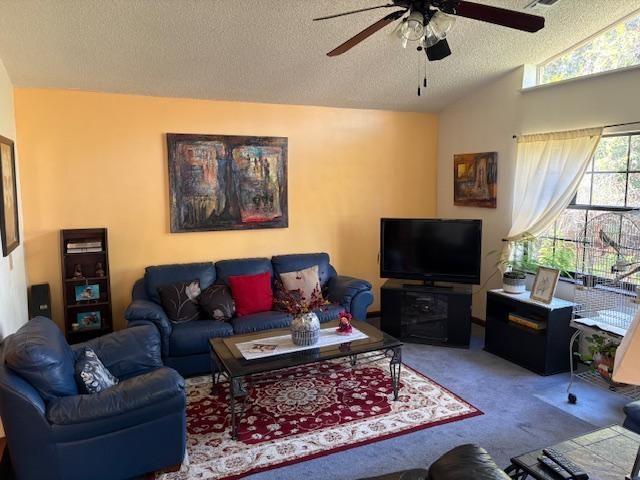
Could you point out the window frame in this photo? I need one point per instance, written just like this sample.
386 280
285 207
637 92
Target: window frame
570 275
540 66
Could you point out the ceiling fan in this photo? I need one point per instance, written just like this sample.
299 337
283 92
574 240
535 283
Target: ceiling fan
429 21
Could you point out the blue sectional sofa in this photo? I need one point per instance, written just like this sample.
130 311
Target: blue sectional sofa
56 433
185 345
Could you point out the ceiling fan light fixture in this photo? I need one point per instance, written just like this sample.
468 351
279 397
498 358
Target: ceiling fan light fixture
430 37
438 51
441 24
412 27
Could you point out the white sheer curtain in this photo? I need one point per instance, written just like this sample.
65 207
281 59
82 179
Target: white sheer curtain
549 168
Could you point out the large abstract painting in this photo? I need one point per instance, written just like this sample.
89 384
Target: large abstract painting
226 182
9 226
475 179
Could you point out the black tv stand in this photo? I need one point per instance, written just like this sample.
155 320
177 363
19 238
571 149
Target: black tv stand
423 312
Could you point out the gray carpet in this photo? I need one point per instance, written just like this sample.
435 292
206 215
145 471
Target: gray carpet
522 411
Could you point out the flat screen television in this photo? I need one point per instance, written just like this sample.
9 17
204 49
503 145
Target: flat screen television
431 249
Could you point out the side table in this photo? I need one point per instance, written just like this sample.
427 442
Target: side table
605 454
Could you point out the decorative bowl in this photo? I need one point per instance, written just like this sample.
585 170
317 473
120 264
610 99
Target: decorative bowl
305 329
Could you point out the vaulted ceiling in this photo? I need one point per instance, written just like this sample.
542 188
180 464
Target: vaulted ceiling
269 50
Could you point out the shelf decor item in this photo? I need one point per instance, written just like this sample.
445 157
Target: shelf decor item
9 228
227 182
86 289
514 282
85 293
305 329
544 286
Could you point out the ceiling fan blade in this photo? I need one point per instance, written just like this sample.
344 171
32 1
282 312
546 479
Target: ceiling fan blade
496 15
353 11
366 33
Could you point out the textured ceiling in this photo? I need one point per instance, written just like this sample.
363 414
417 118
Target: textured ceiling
268 50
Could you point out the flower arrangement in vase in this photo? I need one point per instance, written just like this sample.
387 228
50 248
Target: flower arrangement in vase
305 326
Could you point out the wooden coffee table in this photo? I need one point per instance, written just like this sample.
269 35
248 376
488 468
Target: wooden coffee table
605 454
242 374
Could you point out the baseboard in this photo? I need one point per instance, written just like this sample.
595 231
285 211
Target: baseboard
478 321
374 314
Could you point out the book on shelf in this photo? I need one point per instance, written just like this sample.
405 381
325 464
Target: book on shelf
84 250
85 244
527 322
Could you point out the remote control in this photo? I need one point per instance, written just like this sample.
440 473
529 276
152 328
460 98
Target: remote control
574 470
555 468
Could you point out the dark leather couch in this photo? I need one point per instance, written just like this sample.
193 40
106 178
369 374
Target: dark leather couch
53 432
632 421
185 346
465 462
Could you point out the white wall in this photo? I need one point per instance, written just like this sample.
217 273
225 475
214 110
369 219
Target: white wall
13 281
486 121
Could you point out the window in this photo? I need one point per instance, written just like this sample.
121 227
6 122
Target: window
611 184
616 47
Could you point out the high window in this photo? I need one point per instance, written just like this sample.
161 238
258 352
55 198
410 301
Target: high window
611 184
615 47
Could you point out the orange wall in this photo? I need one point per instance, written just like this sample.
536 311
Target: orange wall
94 159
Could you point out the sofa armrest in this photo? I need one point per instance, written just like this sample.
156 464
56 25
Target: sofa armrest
352 293
127 352
146 311
466 461
128 395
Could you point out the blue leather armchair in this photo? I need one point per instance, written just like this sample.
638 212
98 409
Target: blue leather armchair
135 427
185 345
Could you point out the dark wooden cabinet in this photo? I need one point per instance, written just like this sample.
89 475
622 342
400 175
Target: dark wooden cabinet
87 298
437 315
531 334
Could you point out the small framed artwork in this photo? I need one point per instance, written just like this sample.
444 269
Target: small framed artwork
544 286
9 227
475 179
88 321
85 293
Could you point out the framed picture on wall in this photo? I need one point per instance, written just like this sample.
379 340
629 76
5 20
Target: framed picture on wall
9 226
227 182
475 179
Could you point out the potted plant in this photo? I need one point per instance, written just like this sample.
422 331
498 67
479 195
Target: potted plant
514 281
602 352
305 326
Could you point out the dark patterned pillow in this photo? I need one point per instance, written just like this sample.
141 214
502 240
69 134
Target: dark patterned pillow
217 302
91 374
180 300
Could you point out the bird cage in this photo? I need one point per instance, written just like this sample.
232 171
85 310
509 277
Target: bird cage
607 281
608 270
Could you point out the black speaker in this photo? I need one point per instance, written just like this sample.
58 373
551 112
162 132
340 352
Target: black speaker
40 301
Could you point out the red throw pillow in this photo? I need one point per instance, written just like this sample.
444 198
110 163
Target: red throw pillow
252 293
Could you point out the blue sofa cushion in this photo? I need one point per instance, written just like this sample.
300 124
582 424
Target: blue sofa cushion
300 261
243 266
257 322
159 276
329 312
40 354
191 338
131 394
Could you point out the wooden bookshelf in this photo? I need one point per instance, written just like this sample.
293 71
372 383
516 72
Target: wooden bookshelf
86 298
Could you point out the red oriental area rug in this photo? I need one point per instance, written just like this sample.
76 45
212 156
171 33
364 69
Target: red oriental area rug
306 412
